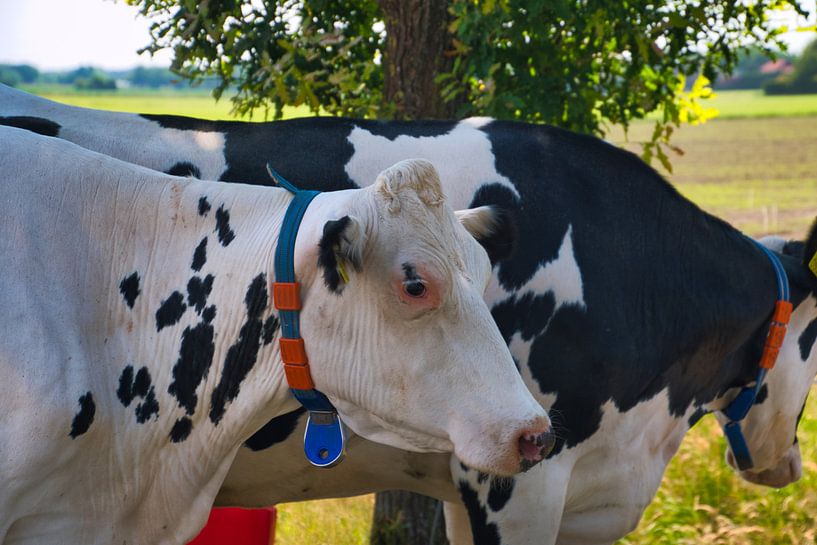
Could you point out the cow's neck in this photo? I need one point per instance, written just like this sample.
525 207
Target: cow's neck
695 312
203 323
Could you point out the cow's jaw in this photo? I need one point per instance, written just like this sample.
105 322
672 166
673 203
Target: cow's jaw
788 470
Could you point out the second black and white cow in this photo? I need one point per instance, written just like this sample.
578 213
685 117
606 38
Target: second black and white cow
630 311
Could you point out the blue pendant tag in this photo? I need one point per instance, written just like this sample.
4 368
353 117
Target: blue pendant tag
324 441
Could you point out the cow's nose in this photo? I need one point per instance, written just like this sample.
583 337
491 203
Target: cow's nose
534 447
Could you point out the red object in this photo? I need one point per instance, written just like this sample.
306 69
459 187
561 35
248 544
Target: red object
286 295
235 526
777 332
296 364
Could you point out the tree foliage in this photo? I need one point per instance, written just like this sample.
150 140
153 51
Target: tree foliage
574 63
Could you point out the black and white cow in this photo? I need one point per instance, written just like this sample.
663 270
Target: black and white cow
630 311
137 352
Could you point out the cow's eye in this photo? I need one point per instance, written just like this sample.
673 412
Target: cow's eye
414 288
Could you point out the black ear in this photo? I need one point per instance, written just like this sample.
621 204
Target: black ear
493 227
341 245
811 246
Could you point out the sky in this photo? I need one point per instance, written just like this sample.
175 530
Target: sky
65 34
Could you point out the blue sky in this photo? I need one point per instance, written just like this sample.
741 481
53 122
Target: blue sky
64 34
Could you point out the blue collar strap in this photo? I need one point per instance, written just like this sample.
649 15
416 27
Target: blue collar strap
324 440
737 410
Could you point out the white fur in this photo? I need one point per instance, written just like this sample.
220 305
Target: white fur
150 144
463 158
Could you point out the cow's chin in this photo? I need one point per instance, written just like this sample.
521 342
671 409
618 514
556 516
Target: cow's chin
376 429
788 470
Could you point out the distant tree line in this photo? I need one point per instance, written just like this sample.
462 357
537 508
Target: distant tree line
801 79
89 77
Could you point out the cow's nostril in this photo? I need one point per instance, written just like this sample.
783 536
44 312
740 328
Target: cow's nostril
534 447
546 442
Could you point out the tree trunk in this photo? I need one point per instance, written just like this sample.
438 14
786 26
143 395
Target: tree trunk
417 39
403 518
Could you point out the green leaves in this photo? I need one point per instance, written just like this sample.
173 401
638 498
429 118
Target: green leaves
578 64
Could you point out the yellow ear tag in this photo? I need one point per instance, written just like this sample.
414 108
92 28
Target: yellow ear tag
813 264
345 277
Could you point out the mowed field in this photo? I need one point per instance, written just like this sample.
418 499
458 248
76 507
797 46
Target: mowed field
756 167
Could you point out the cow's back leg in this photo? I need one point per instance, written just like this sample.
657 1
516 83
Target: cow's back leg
457 525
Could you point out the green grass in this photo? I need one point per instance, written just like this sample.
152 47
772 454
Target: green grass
199 103
758 172
191 103
753 103
344 521
701 501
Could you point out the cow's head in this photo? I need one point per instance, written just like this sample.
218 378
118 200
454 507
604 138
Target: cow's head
771 425
396 330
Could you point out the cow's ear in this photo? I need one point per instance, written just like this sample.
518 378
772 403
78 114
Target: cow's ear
493 227
810 250
340 247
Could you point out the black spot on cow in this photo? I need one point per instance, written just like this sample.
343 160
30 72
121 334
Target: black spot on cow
148 407
170 311
249 146
129 288
393 129
138 385
225 233
528 315
125 390
762 394
199 255
38 125
181 429
696 416
208 314
131 387
500 492
204 206
271 326
275 431
484 533
198 290
85 417
195 358
183 168
799 417
242 355
807 338
141 383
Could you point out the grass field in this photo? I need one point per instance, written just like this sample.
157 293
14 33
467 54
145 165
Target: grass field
187 102
199 103
755 167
